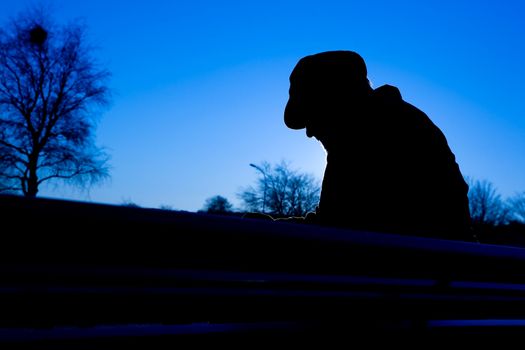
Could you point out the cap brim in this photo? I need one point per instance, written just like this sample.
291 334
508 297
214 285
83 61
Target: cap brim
292 117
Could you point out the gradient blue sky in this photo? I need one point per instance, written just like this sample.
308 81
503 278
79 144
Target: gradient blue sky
200 86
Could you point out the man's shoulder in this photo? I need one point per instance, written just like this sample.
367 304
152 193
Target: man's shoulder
388 93
391 95
387 99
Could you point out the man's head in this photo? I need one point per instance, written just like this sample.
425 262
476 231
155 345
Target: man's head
321 85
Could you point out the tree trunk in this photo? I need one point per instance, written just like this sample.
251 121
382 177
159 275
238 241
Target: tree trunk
32 181
32 188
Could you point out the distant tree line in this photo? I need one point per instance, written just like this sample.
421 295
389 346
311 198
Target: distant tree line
496 220
488 208
281 192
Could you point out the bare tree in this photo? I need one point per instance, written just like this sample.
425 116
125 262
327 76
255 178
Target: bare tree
166 207
517 205
129 204
51 89
486 205
281 191
217 205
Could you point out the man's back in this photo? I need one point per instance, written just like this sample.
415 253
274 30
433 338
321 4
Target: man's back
392 170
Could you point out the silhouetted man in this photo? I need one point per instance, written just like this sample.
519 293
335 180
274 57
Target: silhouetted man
389 168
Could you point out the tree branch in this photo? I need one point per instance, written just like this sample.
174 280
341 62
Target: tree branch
9 145
57 175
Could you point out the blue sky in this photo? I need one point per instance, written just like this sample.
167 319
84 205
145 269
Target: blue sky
200 86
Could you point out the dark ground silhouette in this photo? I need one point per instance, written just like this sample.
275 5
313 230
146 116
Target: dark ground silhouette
100 276
389 167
